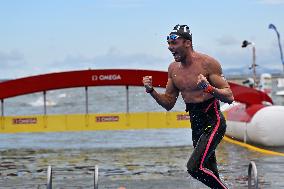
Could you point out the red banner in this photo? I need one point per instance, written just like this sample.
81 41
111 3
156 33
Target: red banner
107 118
31 120
181 117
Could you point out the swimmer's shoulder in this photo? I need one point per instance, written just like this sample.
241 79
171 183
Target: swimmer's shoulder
209 63
172 67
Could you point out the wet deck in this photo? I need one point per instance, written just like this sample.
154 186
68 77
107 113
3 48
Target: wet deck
86 183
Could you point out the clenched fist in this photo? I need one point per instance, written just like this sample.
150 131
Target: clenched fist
202 82
147 81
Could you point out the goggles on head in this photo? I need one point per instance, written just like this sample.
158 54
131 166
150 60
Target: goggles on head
172 37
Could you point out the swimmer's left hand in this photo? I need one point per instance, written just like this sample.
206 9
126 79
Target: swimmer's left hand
202 82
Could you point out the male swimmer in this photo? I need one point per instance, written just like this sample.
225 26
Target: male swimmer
199 79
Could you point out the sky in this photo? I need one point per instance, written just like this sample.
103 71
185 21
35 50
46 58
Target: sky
38 37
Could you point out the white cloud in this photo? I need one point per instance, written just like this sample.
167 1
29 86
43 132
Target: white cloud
12 64
12 56
227 40
124 3
15 65
272 2
113 58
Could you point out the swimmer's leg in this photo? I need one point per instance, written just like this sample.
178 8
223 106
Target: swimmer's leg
202 153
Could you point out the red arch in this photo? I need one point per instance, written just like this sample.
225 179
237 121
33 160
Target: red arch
79 78
123 77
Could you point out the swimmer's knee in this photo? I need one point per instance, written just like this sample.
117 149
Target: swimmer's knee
193 173
191 167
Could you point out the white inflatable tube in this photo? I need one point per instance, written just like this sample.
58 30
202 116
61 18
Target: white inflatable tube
265 128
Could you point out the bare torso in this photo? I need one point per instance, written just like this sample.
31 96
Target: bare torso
184 78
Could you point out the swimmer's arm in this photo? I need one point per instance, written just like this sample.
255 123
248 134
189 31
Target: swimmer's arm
221 88
169 98
223 94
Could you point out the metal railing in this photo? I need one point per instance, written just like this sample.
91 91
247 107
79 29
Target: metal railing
49 177
252 168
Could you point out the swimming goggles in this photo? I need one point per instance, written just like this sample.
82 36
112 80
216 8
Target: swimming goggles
172 37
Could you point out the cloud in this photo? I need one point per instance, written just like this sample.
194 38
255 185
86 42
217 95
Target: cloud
126 4
113 58
227 40
271 2
235 57
230 58
10 57
12 64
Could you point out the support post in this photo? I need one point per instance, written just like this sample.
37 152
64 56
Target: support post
252 168
96 177
87 100
127 99
49 177
2 107
44 102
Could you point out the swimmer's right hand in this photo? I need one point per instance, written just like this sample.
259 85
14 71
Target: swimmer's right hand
147 81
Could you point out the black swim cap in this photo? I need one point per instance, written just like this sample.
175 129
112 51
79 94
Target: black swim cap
182 31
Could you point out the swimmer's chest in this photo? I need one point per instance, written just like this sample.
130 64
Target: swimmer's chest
186 79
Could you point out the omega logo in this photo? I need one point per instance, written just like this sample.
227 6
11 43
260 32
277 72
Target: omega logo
106 77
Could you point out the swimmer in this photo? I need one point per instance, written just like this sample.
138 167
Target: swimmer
199 79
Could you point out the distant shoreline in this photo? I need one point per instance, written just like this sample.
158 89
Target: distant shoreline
228 77
237 77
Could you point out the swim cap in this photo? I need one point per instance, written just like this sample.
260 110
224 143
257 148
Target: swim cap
180 31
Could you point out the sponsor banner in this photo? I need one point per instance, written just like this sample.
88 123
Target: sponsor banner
107 118
181 117
30 120
110 77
